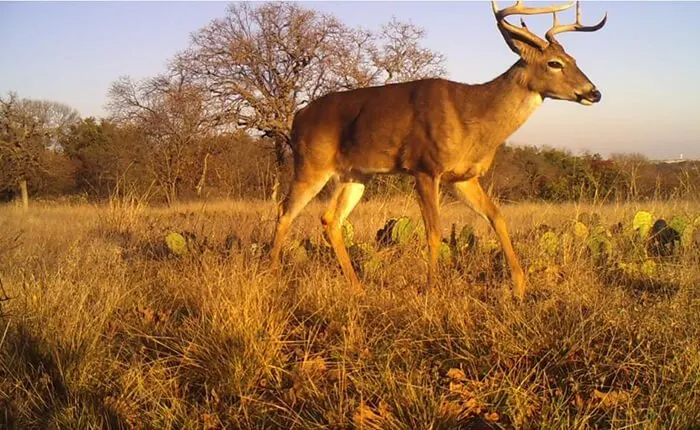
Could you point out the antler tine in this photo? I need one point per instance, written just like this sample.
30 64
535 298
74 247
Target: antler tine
578 12
577 26
519 9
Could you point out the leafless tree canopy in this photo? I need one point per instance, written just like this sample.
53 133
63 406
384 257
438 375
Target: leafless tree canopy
262 62
167 107
630 166
175 118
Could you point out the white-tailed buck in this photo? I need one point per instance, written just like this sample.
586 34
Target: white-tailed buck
434 129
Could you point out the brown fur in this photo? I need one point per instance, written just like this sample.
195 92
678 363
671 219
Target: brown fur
434 129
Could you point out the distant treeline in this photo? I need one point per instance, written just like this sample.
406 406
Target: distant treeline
186 133
93 159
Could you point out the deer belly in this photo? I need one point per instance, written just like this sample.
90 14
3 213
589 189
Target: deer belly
370 170
458 174
370 161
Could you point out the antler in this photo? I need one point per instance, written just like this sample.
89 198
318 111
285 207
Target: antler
577 26
519 9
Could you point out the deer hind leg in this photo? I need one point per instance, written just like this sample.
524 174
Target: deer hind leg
474 196
303 189
343 202
428 194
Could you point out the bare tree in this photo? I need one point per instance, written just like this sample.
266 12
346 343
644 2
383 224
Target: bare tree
401 58
174 116
263 62
630 165
28 128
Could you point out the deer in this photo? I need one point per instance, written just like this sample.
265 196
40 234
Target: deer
437 130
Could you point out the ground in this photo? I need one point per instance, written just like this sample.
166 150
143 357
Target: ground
106 328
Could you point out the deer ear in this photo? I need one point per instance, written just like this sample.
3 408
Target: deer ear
521 46
524 48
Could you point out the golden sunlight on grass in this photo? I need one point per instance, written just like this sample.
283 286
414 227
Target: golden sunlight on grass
104 328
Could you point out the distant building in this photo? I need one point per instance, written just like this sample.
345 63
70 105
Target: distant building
681 159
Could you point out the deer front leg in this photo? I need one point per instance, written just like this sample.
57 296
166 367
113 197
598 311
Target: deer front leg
474 196
428 194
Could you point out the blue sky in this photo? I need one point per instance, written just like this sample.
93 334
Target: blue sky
645 61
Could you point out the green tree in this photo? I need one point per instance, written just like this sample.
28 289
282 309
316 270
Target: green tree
28 129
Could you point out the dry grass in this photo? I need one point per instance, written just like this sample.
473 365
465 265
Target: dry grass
103 330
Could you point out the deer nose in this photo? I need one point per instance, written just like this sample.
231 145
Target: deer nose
595 95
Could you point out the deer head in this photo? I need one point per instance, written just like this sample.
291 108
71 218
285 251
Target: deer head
546 68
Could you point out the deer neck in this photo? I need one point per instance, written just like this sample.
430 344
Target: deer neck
508 102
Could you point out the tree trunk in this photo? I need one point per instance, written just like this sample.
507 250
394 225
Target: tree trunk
203 178
25 193
171 193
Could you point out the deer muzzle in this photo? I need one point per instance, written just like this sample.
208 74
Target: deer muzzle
590 97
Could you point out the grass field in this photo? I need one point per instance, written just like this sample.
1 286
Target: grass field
104 329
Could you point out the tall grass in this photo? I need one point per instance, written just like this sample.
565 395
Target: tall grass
105 329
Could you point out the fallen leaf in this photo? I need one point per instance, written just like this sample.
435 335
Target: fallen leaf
492 417
456 375
611 399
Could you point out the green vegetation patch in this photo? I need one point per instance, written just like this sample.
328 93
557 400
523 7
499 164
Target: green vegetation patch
642 223
176 243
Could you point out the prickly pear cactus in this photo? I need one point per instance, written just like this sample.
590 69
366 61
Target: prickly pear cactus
348 232
490 245
584 218
629 269
549 243
589 219
679 223
403 230
365 258
599 243
444 253
176 243
580 230
539 265
466 239
567 246
642 223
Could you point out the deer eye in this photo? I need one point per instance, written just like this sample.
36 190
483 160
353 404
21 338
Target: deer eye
555 65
